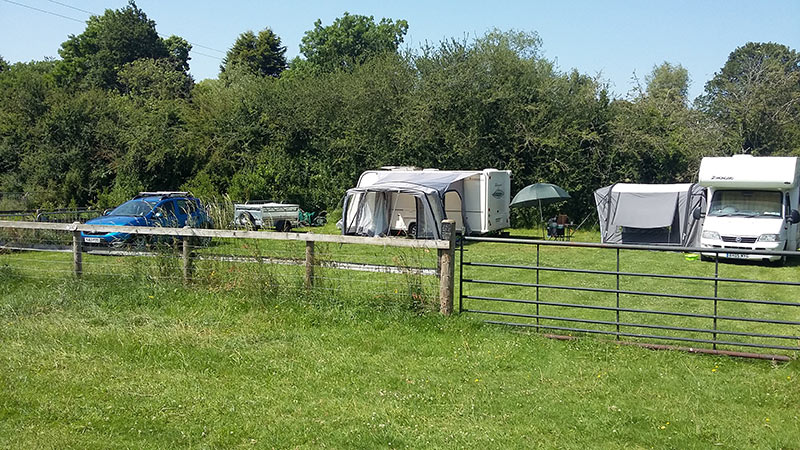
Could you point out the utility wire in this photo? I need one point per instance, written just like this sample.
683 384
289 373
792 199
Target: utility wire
93 14
45 11
160 34
72 7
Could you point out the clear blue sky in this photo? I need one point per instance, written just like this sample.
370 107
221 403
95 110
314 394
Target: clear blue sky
612 39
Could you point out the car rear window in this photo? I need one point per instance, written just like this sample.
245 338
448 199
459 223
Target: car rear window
168 208
186 206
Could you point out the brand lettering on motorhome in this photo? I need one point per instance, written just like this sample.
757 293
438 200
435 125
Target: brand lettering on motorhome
714 177
498 193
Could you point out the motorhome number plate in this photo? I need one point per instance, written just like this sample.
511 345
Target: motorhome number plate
735 255
92 240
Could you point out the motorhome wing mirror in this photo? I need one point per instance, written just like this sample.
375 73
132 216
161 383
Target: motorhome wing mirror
697 214
794 216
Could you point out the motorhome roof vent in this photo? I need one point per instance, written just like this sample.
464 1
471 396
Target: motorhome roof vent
400 168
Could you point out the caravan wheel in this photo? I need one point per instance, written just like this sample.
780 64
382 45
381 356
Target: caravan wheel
412 230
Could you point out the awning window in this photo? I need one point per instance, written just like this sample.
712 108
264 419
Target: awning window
650 210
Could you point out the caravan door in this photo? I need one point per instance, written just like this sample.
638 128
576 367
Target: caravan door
453 209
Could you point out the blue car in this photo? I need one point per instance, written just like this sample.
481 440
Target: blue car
149 209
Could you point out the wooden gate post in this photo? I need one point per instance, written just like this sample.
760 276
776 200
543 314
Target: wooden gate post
309 264
447 268
187 257
77 252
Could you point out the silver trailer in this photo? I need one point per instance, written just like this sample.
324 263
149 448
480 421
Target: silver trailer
280 216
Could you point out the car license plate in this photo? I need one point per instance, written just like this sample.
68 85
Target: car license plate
735 255
91 240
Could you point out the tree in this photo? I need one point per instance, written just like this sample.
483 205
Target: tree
3 65
656 137
668 82
24 90
350 40
261 55
178 53
118 37
756 95
154 78
72 153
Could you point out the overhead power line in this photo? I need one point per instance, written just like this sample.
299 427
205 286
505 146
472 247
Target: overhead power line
94 14
194 44
72 7
45 11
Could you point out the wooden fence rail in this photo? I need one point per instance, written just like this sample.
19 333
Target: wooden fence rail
445 247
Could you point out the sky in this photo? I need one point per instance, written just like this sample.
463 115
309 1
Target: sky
618 41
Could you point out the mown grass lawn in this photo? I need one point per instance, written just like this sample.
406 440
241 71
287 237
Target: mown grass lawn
118 363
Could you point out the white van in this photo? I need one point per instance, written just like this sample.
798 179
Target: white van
752 204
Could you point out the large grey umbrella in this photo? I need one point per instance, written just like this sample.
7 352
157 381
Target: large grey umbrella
541 194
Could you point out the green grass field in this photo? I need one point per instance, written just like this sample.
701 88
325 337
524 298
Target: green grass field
246 357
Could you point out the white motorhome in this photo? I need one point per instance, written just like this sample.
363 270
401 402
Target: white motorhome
752 204
407 200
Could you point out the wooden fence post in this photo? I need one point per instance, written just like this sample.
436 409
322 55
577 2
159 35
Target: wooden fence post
309 264
77 252
447 268
187 257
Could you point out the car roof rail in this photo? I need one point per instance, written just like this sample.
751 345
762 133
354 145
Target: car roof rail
164 194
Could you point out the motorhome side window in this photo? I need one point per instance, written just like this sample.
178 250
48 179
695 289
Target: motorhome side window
746 203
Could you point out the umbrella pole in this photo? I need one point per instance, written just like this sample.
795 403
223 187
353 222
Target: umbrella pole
541 220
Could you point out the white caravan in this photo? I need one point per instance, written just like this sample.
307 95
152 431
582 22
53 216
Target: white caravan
405 200
752 204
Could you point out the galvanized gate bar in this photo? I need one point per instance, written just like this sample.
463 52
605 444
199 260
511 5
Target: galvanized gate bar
636 325
632 274
647 336
644 293
632 310
661 248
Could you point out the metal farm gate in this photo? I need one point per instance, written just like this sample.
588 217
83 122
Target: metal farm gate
652 296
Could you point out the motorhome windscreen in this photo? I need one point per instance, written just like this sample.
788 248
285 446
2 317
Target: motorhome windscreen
746 203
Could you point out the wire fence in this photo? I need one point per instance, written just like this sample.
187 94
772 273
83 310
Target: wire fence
68 215
394 269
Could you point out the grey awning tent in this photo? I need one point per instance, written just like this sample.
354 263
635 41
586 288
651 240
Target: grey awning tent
368 210
659 214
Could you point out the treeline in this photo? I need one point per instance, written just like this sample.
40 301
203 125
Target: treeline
119 113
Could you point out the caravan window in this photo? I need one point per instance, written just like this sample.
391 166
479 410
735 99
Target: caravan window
746 203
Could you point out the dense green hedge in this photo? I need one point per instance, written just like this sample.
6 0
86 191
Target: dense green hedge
306 135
